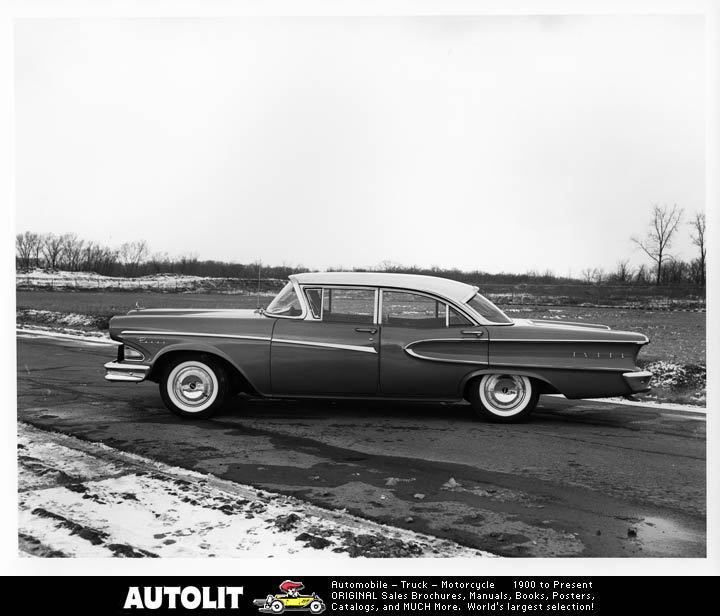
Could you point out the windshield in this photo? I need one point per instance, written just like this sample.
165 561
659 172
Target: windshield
286 303
486 309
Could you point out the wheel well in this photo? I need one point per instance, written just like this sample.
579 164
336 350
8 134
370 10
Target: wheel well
543 387
237 381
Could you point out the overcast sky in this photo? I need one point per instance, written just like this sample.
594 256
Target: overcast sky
496 143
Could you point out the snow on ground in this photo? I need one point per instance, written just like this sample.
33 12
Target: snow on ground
87 499
71 319
59 279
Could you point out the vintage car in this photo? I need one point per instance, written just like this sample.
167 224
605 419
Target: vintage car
277 604
373 335
290 599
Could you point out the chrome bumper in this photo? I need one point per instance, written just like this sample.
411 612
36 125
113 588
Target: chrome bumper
639 381
128 373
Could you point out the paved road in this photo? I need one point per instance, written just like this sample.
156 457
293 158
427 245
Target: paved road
579 479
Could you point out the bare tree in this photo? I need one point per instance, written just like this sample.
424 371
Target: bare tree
133 254
72 251
588 274
623 273
663 225
698 238
26 245
52 249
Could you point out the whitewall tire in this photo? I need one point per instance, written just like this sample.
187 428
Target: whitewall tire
503 398
193 387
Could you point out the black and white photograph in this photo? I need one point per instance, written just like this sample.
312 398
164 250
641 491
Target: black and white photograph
325 287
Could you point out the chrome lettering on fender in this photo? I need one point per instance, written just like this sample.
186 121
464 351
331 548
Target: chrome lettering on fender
584 355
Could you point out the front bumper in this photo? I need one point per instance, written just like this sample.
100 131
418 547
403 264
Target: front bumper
638 382
125 372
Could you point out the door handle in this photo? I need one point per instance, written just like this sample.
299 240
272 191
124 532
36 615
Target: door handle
366 330
473 332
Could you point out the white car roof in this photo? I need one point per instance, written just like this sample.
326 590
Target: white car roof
458 292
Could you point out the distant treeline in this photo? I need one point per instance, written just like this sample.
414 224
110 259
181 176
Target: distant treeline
70 253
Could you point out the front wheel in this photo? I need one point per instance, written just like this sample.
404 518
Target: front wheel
193 387
503 398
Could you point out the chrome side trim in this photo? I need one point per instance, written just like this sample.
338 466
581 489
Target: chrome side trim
192 334
409 351
569 340
328 345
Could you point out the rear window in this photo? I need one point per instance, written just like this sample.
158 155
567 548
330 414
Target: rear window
486 309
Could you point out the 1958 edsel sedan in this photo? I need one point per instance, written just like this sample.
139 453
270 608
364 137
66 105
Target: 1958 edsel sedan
373 335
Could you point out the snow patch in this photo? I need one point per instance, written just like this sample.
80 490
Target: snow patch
87 499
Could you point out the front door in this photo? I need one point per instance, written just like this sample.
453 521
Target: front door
333 354
427 346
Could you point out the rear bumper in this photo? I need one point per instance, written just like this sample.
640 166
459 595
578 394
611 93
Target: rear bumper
125 372
638 382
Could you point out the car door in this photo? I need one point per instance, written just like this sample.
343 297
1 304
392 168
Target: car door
334 350
427 346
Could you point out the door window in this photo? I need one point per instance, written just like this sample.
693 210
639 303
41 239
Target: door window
412 310
314 297
348 305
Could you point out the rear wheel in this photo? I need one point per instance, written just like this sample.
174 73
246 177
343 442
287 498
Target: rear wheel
503 398
193 387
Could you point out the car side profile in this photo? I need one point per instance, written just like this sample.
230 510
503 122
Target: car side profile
373 336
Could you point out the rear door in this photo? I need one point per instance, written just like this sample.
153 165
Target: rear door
334 351
427 346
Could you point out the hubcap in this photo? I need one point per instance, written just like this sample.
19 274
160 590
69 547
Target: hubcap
505 392
193 385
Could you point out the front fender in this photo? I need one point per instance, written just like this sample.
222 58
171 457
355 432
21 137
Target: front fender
249 357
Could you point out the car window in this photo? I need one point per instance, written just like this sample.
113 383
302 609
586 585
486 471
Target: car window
485 308
348 305
314 297
455 319
286 303
412 310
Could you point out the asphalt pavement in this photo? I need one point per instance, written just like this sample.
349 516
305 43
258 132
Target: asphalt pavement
579 478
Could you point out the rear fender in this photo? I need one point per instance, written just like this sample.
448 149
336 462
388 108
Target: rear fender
546 386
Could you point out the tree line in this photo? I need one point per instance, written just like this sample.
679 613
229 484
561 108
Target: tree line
69 252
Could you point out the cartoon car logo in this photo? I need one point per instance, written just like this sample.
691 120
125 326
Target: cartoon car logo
290 599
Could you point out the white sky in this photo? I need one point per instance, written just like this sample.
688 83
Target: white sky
497 143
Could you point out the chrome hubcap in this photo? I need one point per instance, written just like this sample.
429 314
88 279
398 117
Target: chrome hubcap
505 392
193 386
